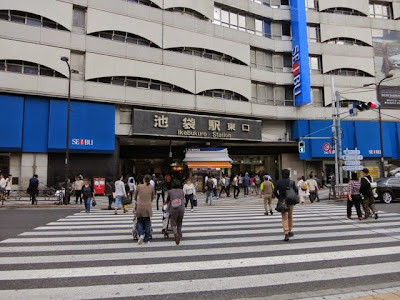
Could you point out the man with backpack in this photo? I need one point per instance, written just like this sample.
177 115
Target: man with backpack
209 189
257 183
367 185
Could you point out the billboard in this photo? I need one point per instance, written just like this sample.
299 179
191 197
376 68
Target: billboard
300 59
386 45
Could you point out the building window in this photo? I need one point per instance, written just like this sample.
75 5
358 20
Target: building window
349 72
142 2
205 53
79 17
317 96
312 4
381 10
237 20
141 83
124 37
125 115
224 94
29 19
314 33
347 41
189 12
261 59
315 65
264 93
24 67
344 11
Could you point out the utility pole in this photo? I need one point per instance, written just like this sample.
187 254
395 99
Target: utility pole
339 139
335 115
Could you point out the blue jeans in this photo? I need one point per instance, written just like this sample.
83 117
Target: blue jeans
87 203
209 196
246 190
143 228
118 199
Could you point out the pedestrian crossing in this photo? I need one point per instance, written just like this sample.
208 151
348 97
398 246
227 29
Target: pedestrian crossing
227 252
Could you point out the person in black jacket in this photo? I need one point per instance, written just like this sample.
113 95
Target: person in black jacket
280 193
368 202
33 188
109 192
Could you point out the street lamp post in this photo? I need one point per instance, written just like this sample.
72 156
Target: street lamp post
66 60
378 96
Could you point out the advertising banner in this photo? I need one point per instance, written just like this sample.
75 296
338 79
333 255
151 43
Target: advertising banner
300 55
387 61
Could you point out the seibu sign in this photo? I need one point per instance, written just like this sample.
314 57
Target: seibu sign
300 53
82 142
162 123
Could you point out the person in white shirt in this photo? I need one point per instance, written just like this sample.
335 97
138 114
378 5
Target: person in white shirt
215 187
2 186
119 193
312 187
190 193
8 185
304 192
131 184
397 174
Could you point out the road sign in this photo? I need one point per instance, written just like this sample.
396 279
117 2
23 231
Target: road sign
327 148
352 162
351 152
302 147
353 157
353 168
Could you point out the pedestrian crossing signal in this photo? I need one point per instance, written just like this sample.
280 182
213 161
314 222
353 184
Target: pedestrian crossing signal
302 147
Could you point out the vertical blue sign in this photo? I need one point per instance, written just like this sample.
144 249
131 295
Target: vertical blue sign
301 64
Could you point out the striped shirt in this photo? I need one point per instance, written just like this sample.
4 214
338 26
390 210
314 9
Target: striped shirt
354 187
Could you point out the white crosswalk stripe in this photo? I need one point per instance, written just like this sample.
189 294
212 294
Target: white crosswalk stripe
225 253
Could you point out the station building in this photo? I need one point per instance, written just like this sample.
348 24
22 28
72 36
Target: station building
154 78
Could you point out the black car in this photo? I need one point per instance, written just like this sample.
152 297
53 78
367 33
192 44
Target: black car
388 189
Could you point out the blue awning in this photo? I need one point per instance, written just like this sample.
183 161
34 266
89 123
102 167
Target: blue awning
12 113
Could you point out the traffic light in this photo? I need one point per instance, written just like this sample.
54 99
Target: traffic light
362 107
302 147
366 106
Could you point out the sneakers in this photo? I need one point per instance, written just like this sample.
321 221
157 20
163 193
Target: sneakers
271 212
286 239
140 241
266 213
192 210
291 234
360 218
125 210
376 216
109 207
115 212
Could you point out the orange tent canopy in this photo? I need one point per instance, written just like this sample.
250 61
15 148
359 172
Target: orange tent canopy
209 165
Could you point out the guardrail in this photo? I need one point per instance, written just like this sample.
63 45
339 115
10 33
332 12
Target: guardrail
339 192
44 195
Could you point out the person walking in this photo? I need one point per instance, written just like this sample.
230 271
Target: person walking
215 187
246 184
144 196
209 190
323 180
33 188
109 192
224 179
332 181
87 193
8 186
257 183
319 185
168 181
189 192
69 191
160 190
131 185
281 188
120 192
354 196
78 184
3 184
176 211
266 190
304 192
312 187
236 188
368 202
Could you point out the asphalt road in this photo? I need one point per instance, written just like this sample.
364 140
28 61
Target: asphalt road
228 251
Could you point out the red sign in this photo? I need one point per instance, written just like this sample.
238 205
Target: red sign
99 185
327 148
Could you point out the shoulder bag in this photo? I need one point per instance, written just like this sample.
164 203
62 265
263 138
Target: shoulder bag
291 197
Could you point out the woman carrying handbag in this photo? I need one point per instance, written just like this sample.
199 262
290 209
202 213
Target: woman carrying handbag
287 193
